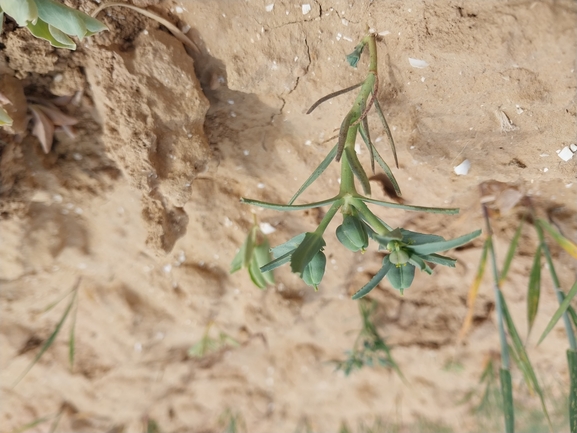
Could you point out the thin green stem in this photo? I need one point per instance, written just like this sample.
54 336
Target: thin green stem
370 217
328 217
506 363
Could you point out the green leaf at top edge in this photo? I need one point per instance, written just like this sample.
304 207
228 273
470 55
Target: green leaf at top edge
288 208
62 17
22 11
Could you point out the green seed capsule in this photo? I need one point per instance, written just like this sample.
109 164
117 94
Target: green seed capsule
315 270
352 233
399 257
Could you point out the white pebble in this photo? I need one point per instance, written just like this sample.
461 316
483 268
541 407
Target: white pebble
167 268
573 147
266 228
565 154
269 7
246 152
308 143
306 8
260 185
463 168
178 10
416 63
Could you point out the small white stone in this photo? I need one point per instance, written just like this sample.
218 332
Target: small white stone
260 185
463 168
246 152
573 147
306 8
269 7
167 268
266 228
545 170
417 63
178 10
565 154
308 143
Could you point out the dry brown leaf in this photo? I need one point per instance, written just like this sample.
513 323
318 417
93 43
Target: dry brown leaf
43 128
57 117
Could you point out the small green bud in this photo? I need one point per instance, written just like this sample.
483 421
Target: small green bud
315 270
352 233
399 257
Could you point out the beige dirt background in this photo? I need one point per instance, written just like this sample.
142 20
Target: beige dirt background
143 205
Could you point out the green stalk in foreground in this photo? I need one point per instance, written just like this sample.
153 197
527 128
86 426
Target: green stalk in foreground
405 250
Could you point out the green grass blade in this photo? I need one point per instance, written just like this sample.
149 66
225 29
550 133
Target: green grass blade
72 339
358 169
286 207
34 423
448 211
563 242
534 290
314 176
560 311
384 166
387 130
473 290
524 363
572 360
374 281
507 393
50 339
332 95
285 258
572 315
511 252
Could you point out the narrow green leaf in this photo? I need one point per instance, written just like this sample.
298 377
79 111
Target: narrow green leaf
439 259
288 208
285 258
560 311
524 362
49 340
384 166
387 130
34 423
534 290
314 176
444 245
511 252
288 246
309 247
42 31
572 360
572 315
72 339
375 280
418 262
1 30
332 95
358 169
507 393
364 130
561 240
343 132
415 238
448 211
23 11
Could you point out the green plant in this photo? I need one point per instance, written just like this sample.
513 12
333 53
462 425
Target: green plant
208 345
254 253
406 250
51 21
369 348
71 340
512 345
